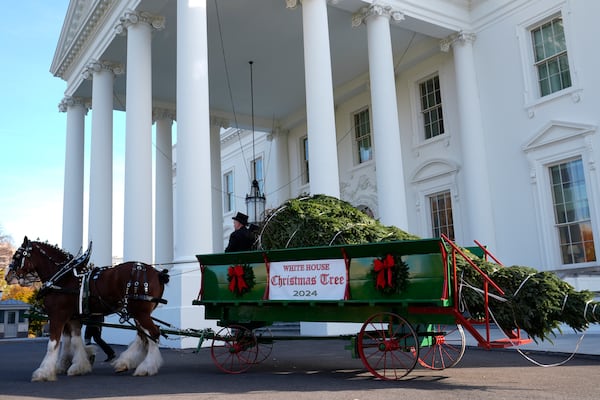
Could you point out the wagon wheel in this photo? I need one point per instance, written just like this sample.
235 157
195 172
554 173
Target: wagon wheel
234 349
446 349
387 346
264 340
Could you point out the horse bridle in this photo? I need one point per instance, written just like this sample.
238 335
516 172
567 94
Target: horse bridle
22 254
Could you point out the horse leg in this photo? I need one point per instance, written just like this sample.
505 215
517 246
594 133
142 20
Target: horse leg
48 368
80 356
132 356
153 359
65 357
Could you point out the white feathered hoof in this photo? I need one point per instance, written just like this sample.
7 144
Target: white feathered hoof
82 368
40 375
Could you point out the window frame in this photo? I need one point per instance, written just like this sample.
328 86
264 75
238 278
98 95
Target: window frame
228 197
556 223
440 105
532 94
418 131
356 146
258 173
432 228
304 161
556 143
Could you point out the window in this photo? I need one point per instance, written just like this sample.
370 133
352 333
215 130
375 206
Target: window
304 157
431 107
257 166
362 136
572 212
228 196
440 205
550 56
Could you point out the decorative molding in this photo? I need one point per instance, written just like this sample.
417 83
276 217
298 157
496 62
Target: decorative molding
80 31
97 66
220 122
277 132
163 113
460 37
291 3
70 101
556 132
131 17
433 169
378 9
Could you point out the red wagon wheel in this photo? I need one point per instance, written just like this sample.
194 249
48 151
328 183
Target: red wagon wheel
387 346
264 339
234 349
446 349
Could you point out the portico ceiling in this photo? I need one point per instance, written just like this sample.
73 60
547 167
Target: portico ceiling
270 35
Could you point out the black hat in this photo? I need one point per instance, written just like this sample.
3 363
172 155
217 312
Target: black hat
241 218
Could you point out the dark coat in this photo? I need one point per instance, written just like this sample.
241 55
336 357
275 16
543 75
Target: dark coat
240 240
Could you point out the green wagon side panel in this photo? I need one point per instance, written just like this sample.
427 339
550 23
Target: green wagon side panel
427 275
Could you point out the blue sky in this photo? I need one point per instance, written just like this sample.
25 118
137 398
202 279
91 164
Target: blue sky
32 130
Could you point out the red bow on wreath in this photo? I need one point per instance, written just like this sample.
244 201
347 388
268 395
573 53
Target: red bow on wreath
237 279
381 267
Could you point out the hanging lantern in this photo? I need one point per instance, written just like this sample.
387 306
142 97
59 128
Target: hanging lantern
255 201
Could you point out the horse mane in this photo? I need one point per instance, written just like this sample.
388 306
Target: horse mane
54 249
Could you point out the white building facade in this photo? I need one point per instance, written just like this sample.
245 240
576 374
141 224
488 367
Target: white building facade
473 118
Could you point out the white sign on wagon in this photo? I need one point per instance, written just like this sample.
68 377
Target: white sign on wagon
308 280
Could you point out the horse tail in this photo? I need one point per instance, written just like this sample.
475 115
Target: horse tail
163 276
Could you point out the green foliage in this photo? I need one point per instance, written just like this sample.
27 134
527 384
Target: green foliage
537 302
322 221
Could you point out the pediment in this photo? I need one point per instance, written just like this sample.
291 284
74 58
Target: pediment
555 132
433 169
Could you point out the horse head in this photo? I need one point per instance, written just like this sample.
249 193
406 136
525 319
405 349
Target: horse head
21 270
34 261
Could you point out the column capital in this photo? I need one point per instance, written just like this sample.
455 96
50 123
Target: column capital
294 3
70 101
220 122
379 9
97 66
163 113
276 133
291 3
460 37
131 17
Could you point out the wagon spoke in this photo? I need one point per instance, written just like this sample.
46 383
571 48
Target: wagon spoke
234 349
387 346
443 347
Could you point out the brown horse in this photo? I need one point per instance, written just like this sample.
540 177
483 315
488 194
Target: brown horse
71 292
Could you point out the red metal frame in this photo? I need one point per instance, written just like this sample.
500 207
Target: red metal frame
514 337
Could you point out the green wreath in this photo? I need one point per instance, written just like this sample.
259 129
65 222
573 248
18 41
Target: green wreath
389 274
241 279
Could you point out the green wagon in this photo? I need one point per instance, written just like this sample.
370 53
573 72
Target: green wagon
404 293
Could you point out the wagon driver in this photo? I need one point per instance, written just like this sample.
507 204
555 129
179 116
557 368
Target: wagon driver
241 239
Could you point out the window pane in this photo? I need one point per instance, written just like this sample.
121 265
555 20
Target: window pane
431 107
572 214
362 135
551 60
441 215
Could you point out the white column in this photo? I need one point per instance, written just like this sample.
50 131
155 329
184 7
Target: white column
72 223
193 199
163 209
137 227
277 176
320 112
477 196
193 204
101 168
217 183
391 187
